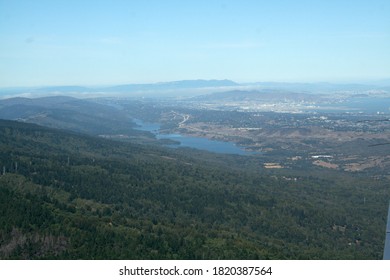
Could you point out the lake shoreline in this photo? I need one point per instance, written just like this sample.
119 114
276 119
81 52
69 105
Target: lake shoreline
191 141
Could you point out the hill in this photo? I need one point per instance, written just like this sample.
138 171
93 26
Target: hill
71 196
69 113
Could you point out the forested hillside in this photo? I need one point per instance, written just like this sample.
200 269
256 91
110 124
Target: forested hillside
71 196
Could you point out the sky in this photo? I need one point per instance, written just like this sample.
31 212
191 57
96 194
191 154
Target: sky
82 42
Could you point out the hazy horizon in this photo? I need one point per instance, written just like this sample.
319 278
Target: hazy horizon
368 82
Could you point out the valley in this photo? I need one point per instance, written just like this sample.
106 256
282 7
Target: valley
136 178
346 139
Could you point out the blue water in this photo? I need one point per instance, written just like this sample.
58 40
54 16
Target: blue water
371 105
361 104
193 142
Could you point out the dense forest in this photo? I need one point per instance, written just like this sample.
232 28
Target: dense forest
67 195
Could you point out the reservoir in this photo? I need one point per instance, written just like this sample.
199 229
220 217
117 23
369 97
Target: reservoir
193 142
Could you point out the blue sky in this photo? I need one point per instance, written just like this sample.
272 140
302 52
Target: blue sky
112 42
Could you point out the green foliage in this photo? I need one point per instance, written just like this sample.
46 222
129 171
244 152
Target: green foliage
71 196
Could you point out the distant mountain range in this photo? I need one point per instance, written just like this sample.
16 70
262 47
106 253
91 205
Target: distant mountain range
121 89
185 84
191 87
